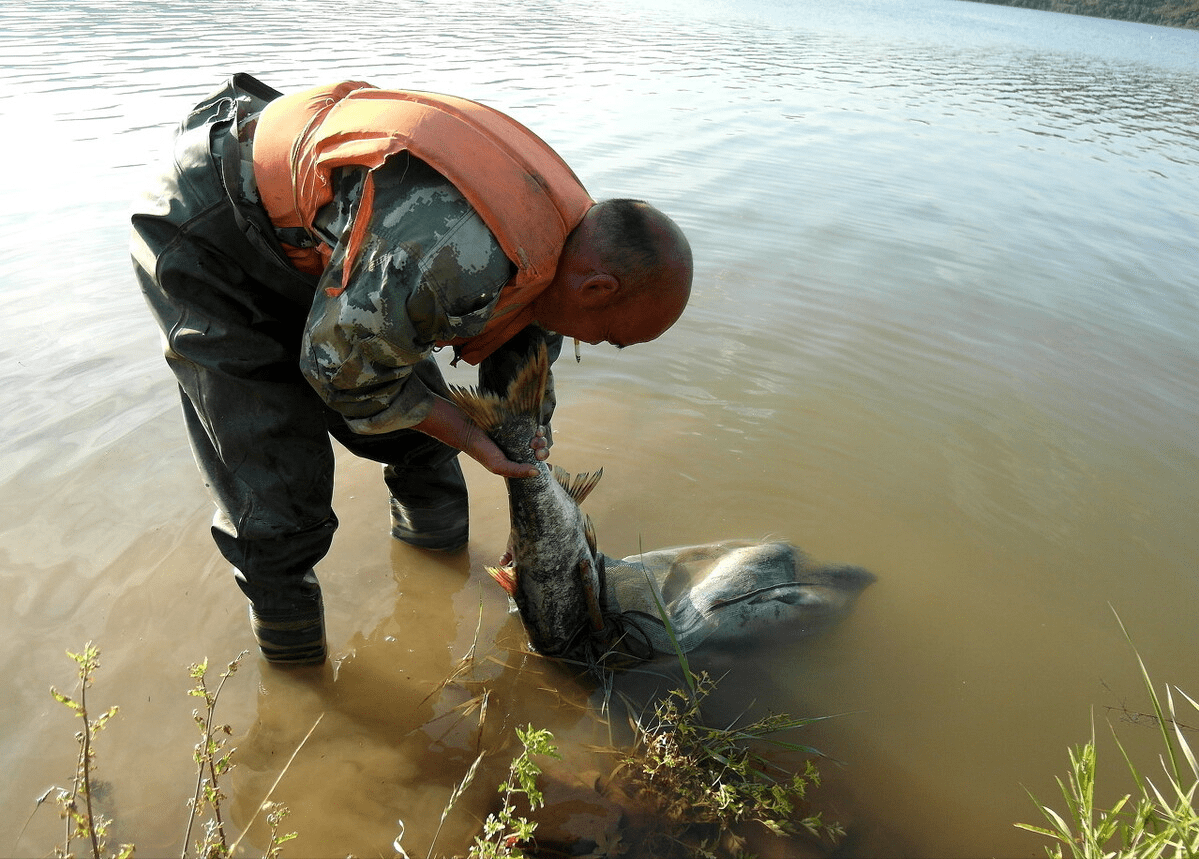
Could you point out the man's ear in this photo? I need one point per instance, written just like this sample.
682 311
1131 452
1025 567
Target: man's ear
598 290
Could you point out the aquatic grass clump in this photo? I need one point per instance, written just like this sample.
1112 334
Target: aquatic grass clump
1153 821
704 780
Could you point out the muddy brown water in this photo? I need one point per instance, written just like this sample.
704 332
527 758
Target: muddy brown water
944 327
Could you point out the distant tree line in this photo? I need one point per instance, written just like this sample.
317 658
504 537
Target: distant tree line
1168 13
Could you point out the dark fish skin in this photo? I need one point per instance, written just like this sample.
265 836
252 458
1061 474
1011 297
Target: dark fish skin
557 585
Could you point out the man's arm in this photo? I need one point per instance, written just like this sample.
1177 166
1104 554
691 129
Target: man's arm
449 425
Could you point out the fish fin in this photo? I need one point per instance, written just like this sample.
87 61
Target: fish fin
589 533
505 577
583 484
580 486
593 606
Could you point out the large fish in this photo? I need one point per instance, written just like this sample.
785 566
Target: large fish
576 602
554 575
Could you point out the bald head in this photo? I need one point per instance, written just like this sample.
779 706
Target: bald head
647 253
624 276
641 246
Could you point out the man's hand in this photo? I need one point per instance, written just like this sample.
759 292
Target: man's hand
540 446
447 423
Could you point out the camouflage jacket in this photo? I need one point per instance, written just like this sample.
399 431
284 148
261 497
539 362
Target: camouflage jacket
429 270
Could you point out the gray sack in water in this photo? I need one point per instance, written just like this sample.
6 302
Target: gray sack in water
732 593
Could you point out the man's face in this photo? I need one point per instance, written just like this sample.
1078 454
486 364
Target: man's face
619 322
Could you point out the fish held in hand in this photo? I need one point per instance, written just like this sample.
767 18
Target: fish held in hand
555 575
577 603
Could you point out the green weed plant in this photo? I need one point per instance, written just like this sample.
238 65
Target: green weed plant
213 762
1151 822
505 833
704 781
76 804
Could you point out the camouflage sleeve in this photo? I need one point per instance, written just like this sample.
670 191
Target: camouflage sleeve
428 270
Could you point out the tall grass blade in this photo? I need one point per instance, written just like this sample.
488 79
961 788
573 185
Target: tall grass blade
674 641
1153 698
454 795
279 778
1183 745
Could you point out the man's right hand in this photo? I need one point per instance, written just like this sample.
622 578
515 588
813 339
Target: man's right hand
448 424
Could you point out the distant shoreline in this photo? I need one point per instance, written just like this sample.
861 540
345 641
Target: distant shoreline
1167 13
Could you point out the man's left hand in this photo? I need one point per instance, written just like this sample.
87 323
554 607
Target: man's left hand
540 445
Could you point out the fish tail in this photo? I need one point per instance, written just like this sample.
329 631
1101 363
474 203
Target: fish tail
524 397
527 391
486 410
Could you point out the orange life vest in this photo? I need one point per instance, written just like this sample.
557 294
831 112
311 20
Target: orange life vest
523 191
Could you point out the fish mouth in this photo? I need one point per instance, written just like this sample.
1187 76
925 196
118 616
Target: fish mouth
573 624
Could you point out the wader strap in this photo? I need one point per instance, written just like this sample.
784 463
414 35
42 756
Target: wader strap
221 112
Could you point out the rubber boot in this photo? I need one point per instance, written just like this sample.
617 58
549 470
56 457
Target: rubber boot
429 506
292 634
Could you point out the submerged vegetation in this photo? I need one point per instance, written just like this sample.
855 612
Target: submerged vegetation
703 781
692 789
